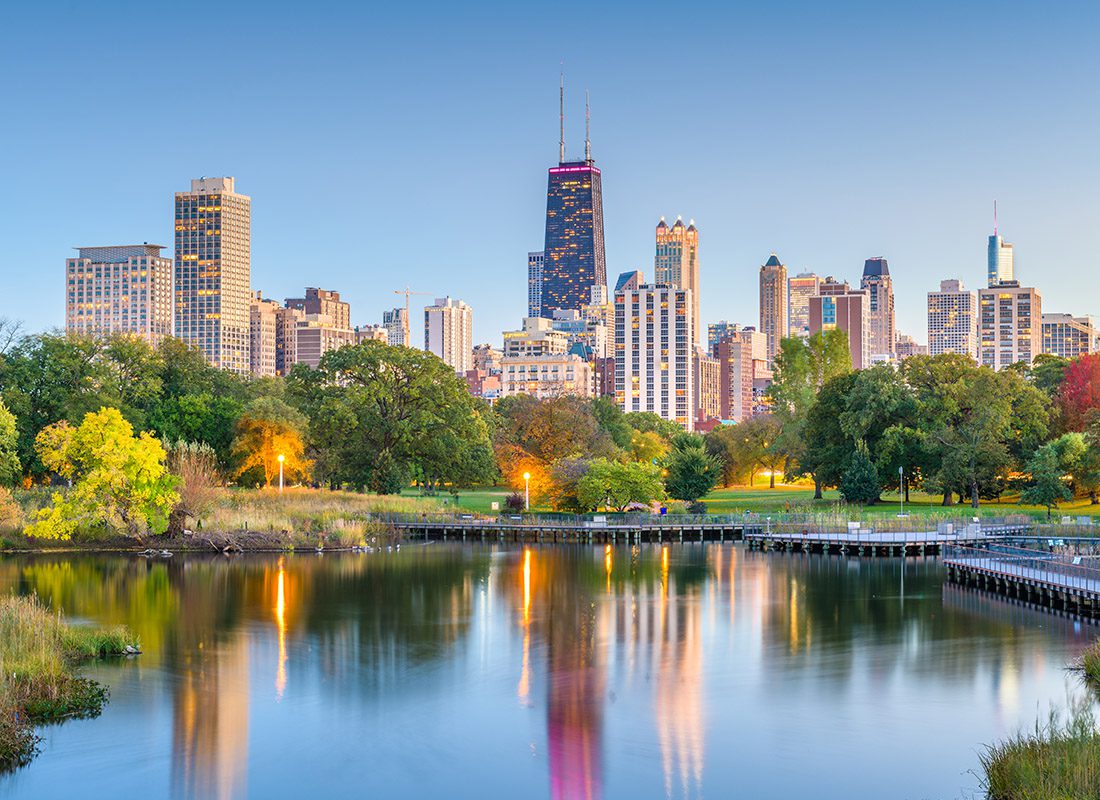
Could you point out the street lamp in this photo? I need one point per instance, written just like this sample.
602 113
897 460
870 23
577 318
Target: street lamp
901 490
527 491
282 458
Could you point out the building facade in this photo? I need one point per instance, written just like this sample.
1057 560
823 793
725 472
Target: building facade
372 333
708 388
213 272
535 262
1000 266
449 333
1068 336
315 335
263 314
879 286
654 368
1010 325
742 362
286 338
907 346
573 251
953 320
838 306
676 263
322 301
545 376
800 289
537 337
123 289
396 322
773 304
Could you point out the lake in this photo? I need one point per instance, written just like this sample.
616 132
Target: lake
564 672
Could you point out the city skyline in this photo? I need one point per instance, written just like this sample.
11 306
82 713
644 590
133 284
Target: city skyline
809 194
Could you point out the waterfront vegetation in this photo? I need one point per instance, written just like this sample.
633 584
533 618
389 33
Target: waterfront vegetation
39 655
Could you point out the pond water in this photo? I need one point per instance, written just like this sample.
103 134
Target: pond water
439 671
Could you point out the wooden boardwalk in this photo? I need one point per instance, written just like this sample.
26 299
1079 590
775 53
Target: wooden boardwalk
1065 583
870 542
523 530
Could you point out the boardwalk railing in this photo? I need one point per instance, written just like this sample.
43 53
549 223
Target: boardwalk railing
1017 564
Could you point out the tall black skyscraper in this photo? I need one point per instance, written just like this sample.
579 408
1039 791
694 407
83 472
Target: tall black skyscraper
574 258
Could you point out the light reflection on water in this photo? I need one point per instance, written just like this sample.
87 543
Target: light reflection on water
675 671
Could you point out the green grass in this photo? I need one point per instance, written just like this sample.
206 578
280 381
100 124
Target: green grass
1090 664
477 501
39 653
1059 760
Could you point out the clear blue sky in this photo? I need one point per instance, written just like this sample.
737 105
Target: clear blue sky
386 143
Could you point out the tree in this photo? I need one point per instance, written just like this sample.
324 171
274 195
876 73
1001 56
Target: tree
647 446
827 448
1047 373
759 437
378 415
1080 391
859 483
565 477
1047 486
616 485
609 415
726 446
691 472
196 466
120 482
10 470
648 422
268 429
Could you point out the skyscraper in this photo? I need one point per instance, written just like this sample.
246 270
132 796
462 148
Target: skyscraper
677 263
654 368
573 255
396 323
534 284
773 304
213 272
1000 265
263 314
837 305
1010 325
953 320
879 286
800 289
449 333
124 289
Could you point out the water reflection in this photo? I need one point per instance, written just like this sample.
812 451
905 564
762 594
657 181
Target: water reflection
637 662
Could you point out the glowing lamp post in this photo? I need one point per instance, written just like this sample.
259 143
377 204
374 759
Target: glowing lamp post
527 491
282 458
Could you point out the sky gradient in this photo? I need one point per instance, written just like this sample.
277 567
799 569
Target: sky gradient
409 143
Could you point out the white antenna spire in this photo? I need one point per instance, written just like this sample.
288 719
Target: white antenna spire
561 116
994 217
587 141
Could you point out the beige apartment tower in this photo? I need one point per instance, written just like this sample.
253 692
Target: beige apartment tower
1010 325
263 314
773 304
213 272
800 289
953 320
123 289
676 263
879 286
449 333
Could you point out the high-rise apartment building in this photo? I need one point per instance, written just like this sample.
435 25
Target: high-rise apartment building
708 388
534 283
1068 336
213 272
953 320
587 336
800 289
1000 266
263 314
676 263
371 333
717 331
396 322
315 335
286 338
773 304
123 289
742 362
449 333
629 281
322 301
879 286
838 306
654 352
1010 325
573 252
536 337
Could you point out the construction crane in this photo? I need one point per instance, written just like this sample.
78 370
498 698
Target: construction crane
407 292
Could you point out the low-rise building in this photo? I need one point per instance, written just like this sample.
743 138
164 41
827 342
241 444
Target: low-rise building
1068 336
537 337
545 376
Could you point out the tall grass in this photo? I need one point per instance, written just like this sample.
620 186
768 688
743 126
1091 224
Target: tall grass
1059 759
38 655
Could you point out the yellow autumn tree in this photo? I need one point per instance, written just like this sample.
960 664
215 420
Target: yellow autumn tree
267 429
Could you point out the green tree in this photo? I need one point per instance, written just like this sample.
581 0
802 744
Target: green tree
725 444
617 485
268 429
827 447
1047 486
691 472
648 422
120 482
859 482
10 470
565 477
378 415
609 416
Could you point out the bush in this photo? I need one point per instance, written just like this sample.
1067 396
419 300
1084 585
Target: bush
515 502
697 507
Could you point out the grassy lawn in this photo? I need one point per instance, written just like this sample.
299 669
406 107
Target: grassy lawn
798 498
478 501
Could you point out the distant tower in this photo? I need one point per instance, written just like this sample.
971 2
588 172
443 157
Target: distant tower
773 305
534 284
677 263
1001 268
879 286
573 255
800 289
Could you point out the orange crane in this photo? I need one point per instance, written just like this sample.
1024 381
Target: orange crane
407 292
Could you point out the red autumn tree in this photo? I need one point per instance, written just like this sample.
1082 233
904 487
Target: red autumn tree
1080 391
